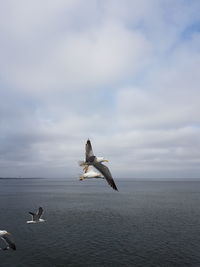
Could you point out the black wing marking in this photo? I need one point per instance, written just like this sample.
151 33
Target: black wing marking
106 173
8 241
39 213
88 151
36 216
33 215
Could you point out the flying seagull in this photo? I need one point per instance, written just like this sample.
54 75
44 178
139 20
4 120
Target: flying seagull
36 217
89 153
90 173
5 236
91 159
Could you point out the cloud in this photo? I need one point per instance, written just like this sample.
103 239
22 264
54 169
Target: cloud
81 60
169 97
124 74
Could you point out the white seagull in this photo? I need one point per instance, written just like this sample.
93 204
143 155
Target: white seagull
5 236
96 162
90 173
36 217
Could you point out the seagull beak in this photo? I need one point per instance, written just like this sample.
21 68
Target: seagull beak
105 160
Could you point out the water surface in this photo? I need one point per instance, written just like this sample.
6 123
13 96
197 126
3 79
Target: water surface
146 223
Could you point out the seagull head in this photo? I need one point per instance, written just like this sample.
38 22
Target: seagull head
101 159
81 178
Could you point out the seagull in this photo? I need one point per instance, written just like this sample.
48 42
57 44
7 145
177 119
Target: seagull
36 217
5 236
89 153
90 173
91 159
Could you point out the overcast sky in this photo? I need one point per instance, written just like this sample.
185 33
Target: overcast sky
125 74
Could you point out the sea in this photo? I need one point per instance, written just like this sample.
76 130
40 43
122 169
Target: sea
148 223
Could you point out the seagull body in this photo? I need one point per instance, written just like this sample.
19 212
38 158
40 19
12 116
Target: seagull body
98 159
5 236
96 162
36 217
89 173
39 221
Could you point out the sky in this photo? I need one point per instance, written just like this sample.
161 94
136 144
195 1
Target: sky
124 74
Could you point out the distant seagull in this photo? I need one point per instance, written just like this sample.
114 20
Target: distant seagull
91 159
5 236
90 173
36 217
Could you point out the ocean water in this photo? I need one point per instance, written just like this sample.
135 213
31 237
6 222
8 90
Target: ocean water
146 223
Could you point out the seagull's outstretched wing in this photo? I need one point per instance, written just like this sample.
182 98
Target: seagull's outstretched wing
33 215
6 238
36 216
88 151
39 213
106 173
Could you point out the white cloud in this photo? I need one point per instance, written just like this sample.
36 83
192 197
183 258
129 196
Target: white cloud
169 96
105 55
